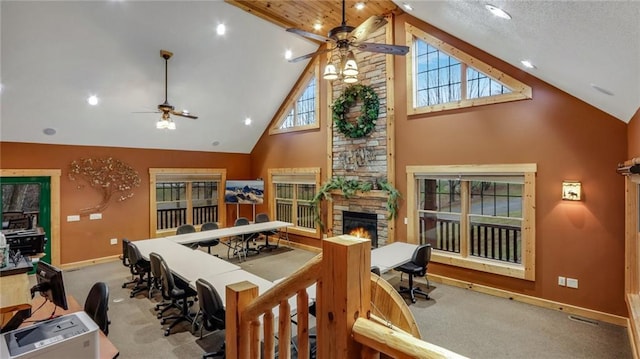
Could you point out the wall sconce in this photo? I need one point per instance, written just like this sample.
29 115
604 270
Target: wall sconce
571 191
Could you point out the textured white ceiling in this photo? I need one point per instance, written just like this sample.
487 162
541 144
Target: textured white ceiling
573 44
54 54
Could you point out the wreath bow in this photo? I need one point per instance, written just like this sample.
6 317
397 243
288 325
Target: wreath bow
366 122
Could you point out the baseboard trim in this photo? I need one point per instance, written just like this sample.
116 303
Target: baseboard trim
545 303
80 264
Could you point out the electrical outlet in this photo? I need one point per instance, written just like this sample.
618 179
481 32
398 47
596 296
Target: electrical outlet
572 283
114 241
406 220
562 281
73 218
95 216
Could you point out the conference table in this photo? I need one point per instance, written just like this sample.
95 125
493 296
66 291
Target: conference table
230 232
392 255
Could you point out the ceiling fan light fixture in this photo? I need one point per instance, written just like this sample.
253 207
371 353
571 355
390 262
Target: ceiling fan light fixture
350 66
330 72
171 125
350 79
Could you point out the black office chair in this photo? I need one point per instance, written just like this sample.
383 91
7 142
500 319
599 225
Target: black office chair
261 218
142 268
187 228
179 294
97 305
417 267
376 270
211 310
212 242
127 263
156 283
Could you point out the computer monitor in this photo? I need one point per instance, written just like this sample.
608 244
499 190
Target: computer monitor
50 284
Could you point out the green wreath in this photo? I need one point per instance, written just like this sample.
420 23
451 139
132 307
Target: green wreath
366 122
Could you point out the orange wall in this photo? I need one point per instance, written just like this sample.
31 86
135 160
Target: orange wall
87 239
633 136
567 138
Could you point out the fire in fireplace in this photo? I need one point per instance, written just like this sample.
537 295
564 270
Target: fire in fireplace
362 225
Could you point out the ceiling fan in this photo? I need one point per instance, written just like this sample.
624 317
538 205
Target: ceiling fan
345 37
165 108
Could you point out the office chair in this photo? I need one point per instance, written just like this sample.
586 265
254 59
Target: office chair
156 283
97 305
211 310
376 270
141 267
212 242
261 218
127 263
178 295
416 267
184 229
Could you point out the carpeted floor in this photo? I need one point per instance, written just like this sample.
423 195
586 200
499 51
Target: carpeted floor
470 323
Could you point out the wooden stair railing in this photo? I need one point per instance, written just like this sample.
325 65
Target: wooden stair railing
359 315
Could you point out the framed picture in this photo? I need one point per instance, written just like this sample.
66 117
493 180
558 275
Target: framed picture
244 192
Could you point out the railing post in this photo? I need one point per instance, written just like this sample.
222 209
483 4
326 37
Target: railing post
237 333
344 294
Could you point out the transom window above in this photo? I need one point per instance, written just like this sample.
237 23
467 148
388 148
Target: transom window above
300 111
441 77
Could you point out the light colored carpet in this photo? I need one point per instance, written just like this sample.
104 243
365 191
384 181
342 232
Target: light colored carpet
472 324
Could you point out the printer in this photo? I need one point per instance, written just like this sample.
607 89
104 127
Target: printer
73 335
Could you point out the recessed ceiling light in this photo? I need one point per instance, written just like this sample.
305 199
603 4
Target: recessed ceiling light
288 54
407 6
528 64
92 100
215 143
498 12
602 90
49 131
359 6
247 121
317 26
221 29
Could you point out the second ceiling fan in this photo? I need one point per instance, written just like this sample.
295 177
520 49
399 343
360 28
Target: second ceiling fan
345 37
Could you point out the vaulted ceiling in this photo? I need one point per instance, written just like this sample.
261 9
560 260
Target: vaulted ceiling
56 54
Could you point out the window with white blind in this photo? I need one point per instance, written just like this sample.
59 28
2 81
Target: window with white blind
185 196
292 190
476 217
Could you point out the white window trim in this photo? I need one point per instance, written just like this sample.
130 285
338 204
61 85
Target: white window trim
304 171
520 91
525 270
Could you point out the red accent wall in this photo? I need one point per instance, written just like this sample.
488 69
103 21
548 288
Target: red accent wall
633 136
567 138
87 239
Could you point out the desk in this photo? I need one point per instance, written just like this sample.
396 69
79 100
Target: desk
186 263
228 232
14 296
392 255
107 349
220 281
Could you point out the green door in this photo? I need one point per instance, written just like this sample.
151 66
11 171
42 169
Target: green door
29 195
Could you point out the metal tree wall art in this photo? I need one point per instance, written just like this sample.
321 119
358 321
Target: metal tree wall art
108 176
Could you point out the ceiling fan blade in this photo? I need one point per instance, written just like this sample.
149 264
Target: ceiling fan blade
308 56
309 35
367 27
184 114
382 48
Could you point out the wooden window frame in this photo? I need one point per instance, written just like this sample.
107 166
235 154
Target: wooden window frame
525 270
306 171
519 90
185 172
312 71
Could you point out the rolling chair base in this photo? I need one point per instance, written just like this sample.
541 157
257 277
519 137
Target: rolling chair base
412 290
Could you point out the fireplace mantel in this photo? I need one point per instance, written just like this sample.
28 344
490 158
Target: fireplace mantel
360 194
